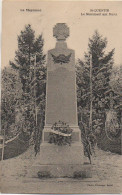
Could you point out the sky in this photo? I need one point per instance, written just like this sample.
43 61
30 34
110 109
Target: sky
81 27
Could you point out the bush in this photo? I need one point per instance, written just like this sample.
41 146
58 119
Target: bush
43 174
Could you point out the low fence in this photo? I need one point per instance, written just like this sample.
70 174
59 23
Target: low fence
14 147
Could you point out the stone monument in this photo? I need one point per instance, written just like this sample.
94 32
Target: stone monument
61 99
61 104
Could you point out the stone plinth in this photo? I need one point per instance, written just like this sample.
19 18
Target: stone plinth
60 161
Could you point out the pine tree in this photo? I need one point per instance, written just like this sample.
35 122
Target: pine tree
28 47
29 61
10 94
101 70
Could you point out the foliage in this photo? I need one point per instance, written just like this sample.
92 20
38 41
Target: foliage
44 174
116 83
11 93
29 62
61 134
80 174
25 63
101 71
88 139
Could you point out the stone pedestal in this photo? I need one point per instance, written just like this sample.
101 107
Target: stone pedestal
61 104
60 161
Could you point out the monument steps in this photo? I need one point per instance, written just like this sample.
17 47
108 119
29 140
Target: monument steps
61 171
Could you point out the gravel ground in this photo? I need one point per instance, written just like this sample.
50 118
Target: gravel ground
106 171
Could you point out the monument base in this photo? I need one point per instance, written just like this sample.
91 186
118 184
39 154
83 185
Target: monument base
60 161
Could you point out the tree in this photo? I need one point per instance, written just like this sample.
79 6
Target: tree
29 61
10 99
101 70
115 83
28 47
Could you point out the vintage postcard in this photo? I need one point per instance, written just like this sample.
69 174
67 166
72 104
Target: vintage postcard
60 103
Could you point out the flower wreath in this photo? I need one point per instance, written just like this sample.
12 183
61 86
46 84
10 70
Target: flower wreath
61 134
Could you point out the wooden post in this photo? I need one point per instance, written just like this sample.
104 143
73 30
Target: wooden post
90 119
111 100
35 90
3 145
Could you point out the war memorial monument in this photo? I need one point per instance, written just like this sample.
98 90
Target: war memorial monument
61 105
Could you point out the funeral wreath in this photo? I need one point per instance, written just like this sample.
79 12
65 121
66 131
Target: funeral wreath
61 134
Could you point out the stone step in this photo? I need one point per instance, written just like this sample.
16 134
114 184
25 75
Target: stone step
61 171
